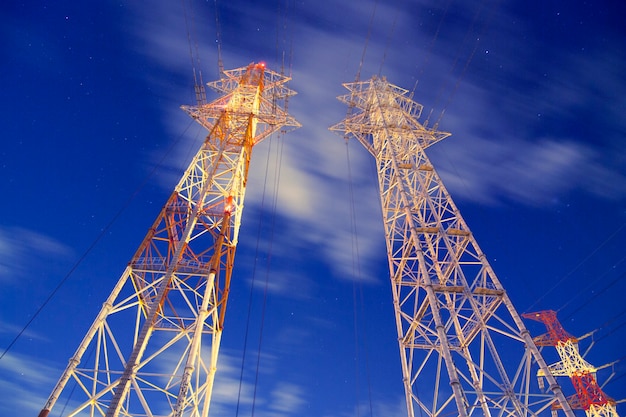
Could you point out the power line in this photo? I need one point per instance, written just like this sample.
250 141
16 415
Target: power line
481 33
356 284
218 31
267 268
253 281
367 38
389 37
585 259
460 49
93 244
596 294
273 209
430 47
198 84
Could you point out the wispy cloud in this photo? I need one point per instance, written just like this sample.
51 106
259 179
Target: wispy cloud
285 399
19 246
22 383
532 173
312 192
277 397
499 152
520 155
11 330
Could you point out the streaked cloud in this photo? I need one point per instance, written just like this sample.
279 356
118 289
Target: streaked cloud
275 397
22 383
20 247
285 399
499 152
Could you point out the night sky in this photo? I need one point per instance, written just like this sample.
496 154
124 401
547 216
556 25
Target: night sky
94 141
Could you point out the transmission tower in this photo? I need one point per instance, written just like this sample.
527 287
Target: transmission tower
464 349
152 350
589 396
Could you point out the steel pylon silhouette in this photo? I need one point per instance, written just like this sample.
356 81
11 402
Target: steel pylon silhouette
153 348
464 349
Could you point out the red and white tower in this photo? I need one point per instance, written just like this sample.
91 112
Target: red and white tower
153 348
589 395
464 348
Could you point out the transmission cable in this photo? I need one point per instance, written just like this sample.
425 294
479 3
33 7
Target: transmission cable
273 208
619 326
566 276
467 64
367 38
430 48
356 271
460 49
610 321
267 268
389 37
218 31
591 285
356 284
198 84
458 57
291 36
98 238
253 279
273 215
356 264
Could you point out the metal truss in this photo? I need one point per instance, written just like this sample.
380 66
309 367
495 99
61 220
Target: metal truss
153 348
589 396
464 348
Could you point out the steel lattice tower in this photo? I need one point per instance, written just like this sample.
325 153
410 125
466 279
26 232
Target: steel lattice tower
589 396
464 348
152 350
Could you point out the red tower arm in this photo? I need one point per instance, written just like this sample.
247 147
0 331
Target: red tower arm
556 333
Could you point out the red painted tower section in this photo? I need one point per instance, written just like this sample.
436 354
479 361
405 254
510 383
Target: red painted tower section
589 396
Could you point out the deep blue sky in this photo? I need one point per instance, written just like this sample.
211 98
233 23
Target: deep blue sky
537 164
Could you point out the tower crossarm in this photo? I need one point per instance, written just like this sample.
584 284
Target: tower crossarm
154 345
556 332
402 113
454 320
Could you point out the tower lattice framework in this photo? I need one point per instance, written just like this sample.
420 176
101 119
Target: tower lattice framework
589 396
464 348
152 350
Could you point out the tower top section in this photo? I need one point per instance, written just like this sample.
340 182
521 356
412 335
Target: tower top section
254 91
375 106
556 333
